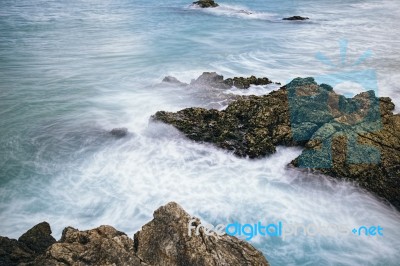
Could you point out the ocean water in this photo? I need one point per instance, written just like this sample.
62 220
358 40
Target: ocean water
70 71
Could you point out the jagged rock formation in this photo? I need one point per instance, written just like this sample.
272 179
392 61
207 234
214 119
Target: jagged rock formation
34 242
355 138
163 241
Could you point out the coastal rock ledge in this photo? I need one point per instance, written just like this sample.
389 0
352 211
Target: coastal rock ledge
162 241
356 138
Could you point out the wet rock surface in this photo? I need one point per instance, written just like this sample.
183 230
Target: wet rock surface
353 138
206 3
163 241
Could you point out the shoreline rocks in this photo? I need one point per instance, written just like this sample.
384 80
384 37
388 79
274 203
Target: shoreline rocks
352 138
162 241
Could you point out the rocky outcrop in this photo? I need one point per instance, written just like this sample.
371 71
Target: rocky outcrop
354 138
244 83
206 3
296 18
101 246
34 242
251 126
163 241
213 80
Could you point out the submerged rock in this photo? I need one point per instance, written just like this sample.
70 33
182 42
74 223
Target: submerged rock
119 132
173 81
162 241
206 3
296 18
355 138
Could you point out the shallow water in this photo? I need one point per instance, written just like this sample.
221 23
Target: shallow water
70 72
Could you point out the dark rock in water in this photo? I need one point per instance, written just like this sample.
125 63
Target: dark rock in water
38 238
244 83
212 79
173 81
206 3
165 241
119 132
251 126
209 79
296 18
162 241
355 138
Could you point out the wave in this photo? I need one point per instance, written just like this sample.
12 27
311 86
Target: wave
238 12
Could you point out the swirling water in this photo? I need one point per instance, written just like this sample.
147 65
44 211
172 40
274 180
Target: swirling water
72 70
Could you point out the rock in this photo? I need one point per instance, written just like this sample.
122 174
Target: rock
119 132
101 246
295 18
34 242
165 241
38 238
206 3
13 252
173 81
354 138
209 79
162 241
244 83
251 126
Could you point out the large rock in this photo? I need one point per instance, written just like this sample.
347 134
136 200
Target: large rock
165 241
251 126
162 241
34 242
355 138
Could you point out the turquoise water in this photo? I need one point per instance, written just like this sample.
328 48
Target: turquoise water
71 71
